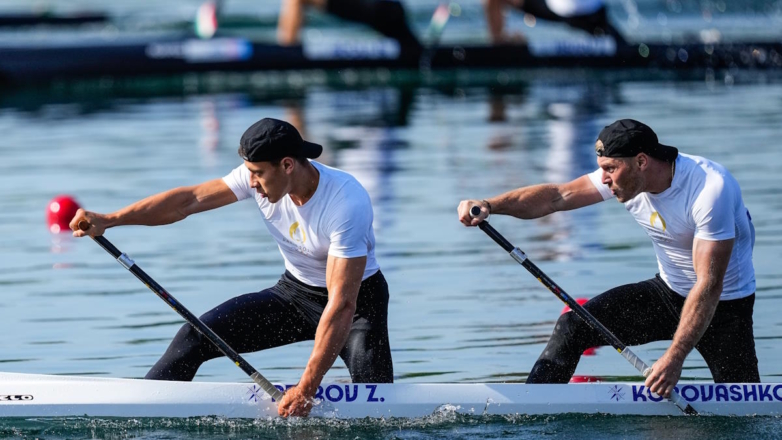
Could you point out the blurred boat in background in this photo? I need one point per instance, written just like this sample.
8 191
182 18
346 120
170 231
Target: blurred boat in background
49 19
116 57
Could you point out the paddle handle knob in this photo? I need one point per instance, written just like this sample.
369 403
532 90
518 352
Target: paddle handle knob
84 225
475 211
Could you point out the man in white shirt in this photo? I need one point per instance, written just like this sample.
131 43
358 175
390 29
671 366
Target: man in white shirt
703 237
332 291
587 15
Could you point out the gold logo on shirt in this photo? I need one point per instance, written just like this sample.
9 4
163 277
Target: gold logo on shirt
297 234
656 215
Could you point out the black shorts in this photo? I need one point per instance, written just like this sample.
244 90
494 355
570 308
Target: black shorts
384 16
360 11
286 313
649 311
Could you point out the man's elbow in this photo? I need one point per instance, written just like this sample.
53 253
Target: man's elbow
716 290
190 203
559 200
345 306
713 288
181 214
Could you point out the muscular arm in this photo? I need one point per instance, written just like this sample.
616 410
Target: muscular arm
535 201
343 279
710 259
174 205
161 209
540 200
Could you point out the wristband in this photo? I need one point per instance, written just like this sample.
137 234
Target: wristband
488 206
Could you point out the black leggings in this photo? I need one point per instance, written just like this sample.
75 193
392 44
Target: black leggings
286 313
595 23
645 312
384 16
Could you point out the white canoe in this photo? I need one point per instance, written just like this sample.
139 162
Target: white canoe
31 395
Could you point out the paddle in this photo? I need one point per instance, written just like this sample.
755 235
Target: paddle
202 328
518 255
433 33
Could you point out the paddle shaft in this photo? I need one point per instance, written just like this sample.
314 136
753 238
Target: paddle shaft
433 32
202 328
518 255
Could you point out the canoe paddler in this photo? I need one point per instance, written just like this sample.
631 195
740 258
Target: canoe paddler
332 291
384 16
587 15
704 293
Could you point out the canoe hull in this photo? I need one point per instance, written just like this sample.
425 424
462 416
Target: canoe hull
27 395
22 64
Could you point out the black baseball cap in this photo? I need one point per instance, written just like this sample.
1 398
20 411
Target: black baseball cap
271 139
628 137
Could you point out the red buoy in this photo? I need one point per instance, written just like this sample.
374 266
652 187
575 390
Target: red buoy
59 213
581 302
585 379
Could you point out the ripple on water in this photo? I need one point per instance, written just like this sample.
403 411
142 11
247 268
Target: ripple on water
444 423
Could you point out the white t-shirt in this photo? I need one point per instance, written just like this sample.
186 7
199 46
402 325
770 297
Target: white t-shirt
704 201
573 8
336 221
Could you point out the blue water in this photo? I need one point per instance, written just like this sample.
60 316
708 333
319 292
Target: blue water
439 426
461 310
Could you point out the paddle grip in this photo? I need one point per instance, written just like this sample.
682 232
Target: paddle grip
646 370
639 364
267 386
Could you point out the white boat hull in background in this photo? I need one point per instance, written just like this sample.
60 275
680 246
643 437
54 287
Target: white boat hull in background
31 395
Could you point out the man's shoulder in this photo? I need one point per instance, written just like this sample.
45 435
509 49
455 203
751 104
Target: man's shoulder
711 191
341 184
332 173
706 175
698 163
345 200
